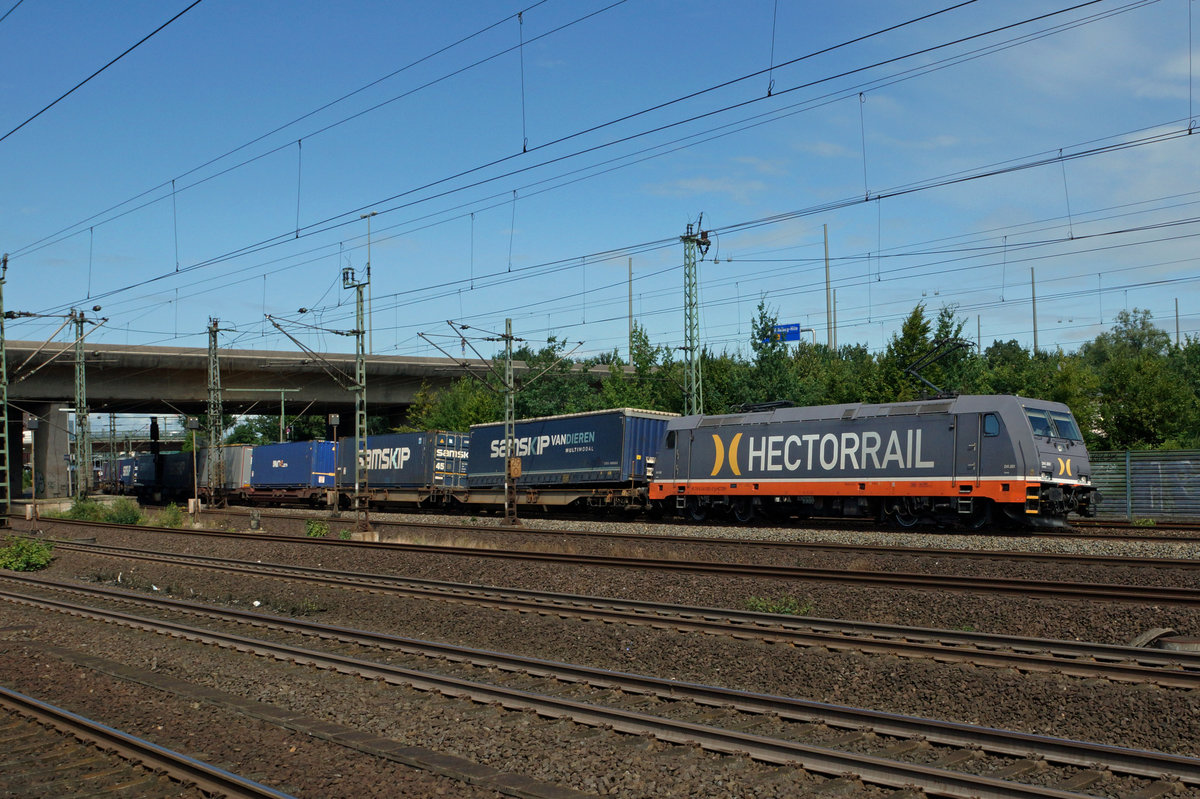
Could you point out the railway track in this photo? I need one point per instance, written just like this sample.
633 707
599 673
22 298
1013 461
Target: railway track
557 536
1091 529
1168 669
896 751
1171 595
49 751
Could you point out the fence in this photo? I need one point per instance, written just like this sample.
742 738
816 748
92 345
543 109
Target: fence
1153 484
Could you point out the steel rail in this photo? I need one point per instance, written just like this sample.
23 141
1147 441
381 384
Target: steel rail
870 768
1105 661
807 546
206 777
1085 530
1005 742
1107 592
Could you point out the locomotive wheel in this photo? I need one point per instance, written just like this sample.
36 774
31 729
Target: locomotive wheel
981 518
695 511
903 516
743 511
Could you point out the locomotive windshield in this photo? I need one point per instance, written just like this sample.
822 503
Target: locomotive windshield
1053 424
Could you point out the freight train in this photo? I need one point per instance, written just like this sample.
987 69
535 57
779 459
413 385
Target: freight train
969 461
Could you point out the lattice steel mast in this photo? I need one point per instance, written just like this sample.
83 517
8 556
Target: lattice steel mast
83 432
216 461
693 379
5 487
360 396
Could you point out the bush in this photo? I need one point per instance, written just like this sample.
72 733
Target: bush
784 605
171 516
86 510
315 528
24 554
123 511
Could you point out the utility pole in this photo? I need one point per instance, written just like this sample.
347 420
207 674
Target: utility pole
1033 294
370 332
631 311
828 301
360 396
693 382
512 464
112 448
83 433
216 461
835 344
5 487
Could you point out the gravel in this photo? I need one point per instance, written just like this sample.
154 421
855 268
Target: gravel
600 761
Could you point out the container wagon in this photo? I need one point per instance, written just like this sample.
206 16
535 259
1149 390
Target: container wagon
415 469
300 472
595 459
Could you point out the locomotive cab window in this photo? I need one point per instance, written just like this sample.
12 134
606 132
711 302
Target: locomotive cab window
1039 421
671 439
1065 426
991 424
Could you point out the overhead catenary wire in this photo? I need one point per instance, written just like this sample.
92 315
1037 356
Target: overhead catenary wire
692 95
274 241
1061 162
83 82
12 9
67 231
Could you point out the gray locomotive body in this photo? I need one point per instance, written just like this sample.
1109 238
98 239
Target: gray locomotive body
965 460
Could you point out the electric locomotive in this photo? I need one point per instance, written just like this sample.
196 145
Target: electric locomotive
967 460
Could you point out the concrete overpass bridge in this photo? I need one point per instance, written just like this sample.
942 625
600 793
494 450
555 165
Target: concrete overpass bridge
169 381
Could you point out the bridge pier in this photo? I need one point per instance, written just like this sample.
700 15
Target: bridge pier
50 444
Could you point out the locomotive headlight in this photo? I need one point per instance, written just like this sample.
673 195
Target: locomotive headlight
1047 475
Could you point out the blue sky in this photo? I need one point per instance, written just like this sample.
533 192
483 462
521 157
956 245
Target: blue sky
206 174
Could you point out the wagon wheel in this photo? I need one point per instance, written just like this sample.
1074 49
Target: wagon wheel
743 510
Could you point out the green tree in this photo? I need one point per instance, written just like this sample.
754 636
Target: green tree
771 376
644 388
1143 401
465 402
728 382
905 347
554 383
828 377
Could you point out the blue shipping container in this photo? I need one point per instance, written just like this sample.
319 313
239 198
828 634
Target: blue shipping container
435 459
176 477
610 446
299 464
126 472
144 473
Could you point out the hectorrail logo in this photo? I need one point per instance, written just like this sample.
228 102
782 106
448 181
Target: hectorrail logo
1064 467
719 460
826 452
